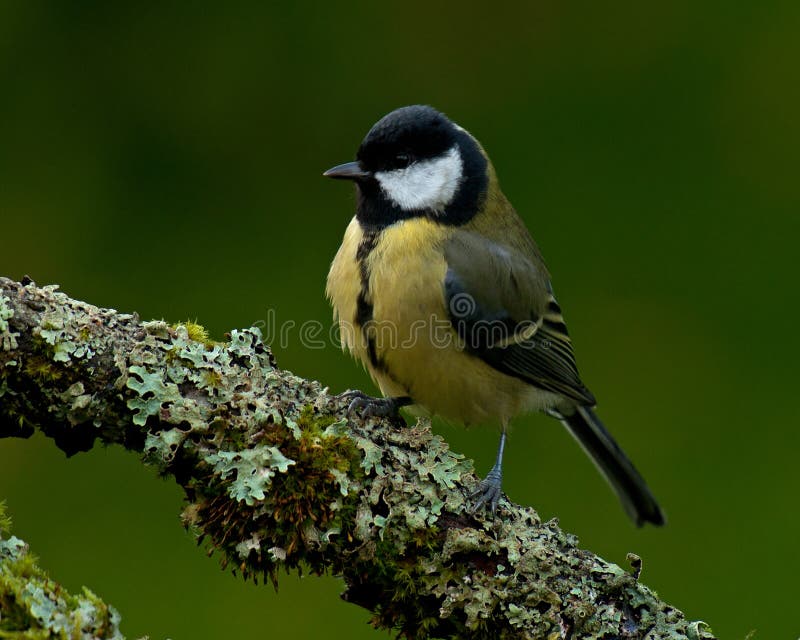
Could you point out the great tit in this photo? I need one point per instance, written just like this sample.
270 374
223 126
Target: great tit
440 291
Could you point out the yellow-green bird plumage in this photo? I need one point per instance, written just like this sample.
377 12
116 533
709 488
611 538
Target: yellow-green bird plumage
441 292
410 319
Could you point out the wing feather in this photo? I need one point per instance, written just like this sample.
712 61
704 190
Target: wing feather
502 306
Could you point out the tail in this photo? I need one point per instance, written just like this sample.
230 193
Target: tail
612 462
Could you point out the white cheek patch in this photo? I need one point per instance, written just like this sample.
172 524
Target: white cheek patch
428 184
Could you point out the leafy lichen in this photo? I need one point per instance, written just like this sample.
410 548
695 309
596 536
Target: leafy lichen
65 344
250 471
8 338
278 476
151 393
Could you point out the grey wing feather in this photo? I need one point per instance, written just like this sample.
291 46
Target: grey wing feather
501 304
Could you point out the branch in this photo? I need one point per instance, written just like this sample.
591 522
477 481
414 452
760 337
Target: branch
32 606
276 475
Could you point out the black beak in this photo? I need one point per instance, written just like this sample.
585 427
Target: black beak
347 171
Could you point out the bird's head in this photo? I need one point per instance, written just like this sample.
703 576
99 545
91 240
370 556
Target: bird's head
415 162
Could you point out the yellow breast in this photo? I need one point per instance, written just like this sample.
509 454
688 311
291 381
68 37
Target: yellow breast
409 345
344 286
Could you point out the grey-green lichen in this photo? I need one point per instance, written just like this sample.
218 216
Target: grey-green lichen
277 476
250 471
8 338
34 607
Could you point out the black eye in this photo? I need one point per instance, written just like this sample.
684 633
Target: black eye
402 160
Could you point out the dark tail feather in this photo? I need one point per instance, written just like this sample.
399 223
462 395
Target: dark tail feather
612 462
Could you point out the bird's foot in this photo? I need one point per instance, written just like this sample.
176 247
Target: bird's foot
371 406
489 491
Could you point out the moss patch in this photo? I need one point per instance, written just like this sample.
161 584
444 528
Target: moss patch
278 476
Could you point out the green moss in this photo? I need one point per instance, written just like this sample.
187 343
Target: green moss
40 346
195 332
5 521
210 380
298 479
277 478
41 370
328 446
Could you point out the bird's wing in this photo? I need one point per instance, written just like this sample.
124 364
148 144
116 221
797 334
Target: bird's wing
501 304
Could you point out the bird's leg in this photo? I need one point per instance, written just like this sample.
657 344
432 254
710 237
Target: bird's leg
378 407
489 490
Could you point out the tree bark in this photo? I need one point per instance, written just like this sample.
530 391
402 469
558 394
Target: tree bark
277 474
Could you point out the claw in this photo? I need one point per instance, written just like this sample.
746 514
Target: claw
351 393
371 407
489 491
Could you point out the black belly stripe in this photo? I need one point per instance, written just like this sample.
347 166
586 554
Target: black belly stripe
364 306
368 242
369 239
374 359
363 309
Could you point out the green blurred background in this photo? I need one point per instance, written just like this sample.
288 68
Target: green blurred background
166 158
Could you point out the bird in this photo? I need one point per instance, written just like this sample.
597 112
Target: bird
440 291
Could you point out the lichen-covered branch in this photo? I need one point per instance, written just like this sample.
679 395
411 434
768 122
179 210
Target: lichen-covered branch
276 475
34 607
